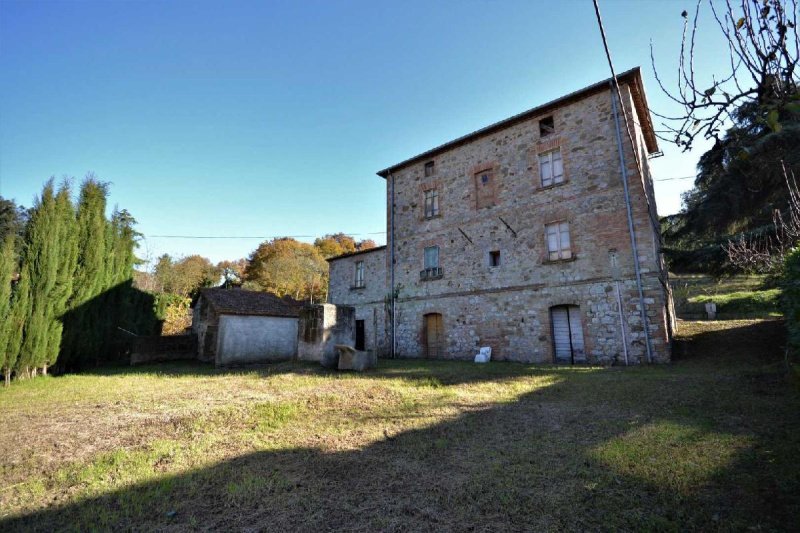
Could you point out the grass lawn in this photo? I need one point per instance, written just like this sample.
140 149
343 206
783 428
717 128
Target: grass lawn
708 443
736 296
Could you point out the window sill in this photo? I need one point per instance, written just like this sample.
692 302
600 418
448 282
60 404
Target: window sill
433 217
557 261
358 287
432 279
553 186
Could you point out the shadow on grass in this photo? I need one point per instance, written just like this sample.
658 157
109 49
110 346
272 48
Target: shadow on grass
596 450
730 341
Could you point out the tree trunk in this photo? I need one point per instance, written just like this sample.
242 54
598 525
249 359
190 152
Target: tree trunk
34 372
44 369
8 376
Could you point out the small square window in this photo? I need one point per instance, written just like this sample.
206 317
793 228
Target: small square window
431 203
494 258
546 127
429 168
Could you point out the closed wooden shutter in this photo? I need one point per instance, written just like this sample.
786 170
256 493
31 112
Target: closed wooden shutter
576 331
560 319
567 334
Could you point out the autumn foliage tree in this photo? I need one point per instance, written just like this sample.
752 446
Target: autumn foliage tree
335 244
287 267
185 276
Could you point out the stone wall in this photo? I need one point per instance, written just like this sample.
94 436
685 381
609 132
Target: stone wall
321 327
205 328
369 300
492 199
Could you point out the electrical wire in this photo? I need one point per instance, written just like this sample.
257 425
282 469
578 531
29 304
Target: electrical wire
254 236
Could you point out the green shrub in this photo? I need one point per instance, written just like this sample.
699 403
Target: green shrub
790 298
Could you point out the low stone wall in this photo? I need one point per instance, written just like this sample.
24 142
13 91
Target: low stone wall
160 349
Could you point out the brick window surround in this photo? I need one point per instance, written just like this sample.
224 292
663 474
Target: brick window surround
485 178
431 202
559 246
551 167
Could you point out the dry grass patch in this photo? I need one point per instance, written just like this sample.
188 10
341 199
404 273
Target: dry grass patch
707 443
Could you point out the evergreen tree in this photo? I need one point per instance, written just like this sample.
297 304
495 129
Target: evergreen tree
82 338
20 309
66 259
8 266
40 267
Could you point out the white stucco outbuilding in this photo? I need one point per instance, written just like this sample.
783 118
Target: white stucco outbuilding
235 326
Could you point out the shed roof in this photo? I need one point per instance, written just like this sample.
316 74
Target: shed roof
241 302
632 77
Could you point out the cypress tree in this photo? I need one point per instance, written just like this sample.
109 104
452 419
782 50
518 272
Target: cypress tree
66 260
119 298
8 266
40 267
82 336
20 309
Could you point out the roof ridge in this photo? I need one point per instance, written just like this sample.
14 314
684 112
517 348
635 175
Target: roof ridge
633 74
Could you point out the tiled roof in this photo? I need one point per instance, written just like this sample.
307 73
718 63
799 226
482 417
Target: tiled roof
633 77
241 302
359 252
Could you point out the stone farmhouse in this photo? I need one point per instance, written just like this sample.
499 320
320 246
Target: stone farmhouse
536 236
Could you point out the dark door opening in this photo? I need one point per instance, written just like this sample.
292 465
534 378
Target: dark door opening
360 335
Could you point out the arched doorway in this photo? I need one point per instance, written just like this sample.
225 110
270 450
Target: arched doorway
565 321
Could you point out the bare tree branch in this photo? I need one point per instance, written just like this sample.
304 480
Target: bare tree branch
763 45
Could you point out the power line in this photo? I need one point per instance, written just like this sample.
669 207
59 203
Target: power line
679 178
254 236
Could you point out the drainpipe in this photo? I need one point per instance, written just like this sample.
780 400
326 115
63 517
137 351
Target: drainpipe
628 208
391 262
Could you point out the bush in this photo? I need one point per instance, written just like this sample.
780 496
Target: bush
790 297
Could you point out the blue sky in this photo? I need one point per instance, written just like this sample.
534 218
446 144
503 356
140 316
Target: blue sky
271 118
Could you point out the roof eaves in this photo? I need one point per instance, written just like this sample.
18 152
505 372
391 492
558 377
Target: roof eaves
358 252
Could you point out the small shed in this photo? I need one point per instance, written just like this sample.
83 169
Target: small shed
235 326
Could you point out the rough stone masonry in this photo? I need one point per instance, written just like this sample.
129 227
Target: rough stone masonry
517 237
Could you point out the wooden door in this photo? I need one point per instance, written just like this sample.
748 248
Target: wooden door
567 334
434 335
